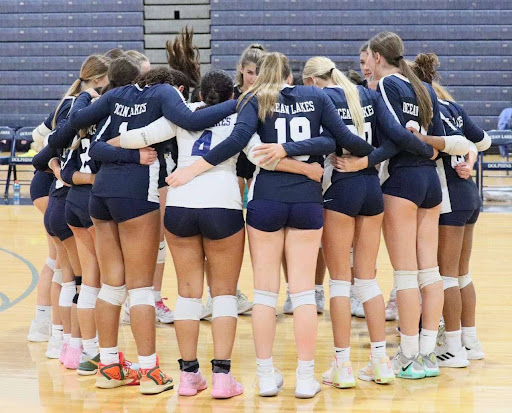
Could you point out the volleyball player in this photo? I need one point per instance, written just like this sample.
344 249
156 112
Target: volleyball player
459 213
126 221
412 198
47 323
353 215
284 211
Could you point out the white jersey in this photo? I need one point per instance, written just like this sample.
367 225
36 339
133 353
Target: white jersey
216 188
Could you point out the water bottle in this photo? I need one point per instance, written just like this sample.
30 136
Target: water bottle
16 190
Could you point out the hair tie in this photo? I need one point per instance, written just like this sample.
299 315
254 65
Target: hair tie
399 58
81 80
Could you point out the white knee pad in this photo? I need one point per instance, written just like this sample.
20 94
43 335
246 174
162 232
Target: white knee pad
266 298
67 293
465 280
141 296
87 297
57 276
366 289
188 309
450 282
405 280
162 252
113 295
50 262
303 298
224 306
338 288
429 276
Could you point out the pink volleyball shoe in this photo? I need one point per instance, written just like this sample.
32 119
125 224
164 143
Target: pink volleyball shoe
72 358
191 383
225 386
63 351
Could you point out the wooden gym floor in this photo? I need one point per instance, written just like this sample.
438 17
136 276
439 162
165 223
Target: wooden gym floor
30 382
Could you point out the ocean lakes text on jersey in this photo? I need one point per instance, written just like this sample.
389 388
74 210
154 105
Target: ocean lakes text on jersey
297 107
345 112
129 111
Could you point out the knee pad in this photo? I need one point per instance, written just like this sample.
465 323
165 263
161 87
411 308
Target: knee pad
338 288
224 306
75 298
429 276
465 280
162 252
450 282
67 294
266 298
50 262
406 280
188 309
303 298
87 297
57 276
78 280
141 296
113 295
366 289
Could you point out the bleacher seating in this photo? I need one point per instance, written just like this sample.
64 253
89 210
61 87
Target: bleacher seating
44 42
473 39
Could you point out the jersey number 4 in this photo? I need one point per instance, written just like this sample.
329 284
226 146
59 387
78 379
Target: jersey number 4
202 145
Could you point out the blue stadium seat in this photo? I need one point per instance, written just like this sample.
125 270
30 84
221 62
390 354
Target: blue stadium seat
484 108
55 34
311 48
6 137
20 120
59 6
485 93
37 78
35 107
42 63
23 138
112 19
31 92
303 30
357 4
358 17
64 48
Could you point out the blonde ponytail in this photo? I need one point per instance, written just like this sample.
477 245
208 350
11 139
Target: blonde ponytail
325 69
442 93
94 67
274 71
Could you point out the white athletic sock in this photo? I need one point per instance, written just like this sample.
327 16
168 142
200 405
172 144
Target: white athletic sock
427 341
75 342
287 288
57 331
208 292
319 287
409 345
90 347
306 368
43 312
341 355
147 362
158 295
468 335
109 355
66 338
453 340
378 351
265 366
392 294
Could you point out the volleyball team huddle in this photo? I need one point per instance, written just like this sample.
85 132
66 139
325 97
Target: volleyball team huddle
330 160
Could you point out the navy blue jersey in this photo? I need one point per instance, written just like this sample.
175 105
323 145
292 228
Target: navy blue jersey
299 115
400 99
380 130
458 194
131 107
58 189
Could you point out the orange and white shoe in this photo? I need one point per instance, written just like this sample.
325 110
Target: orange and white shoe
116 375
154 381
